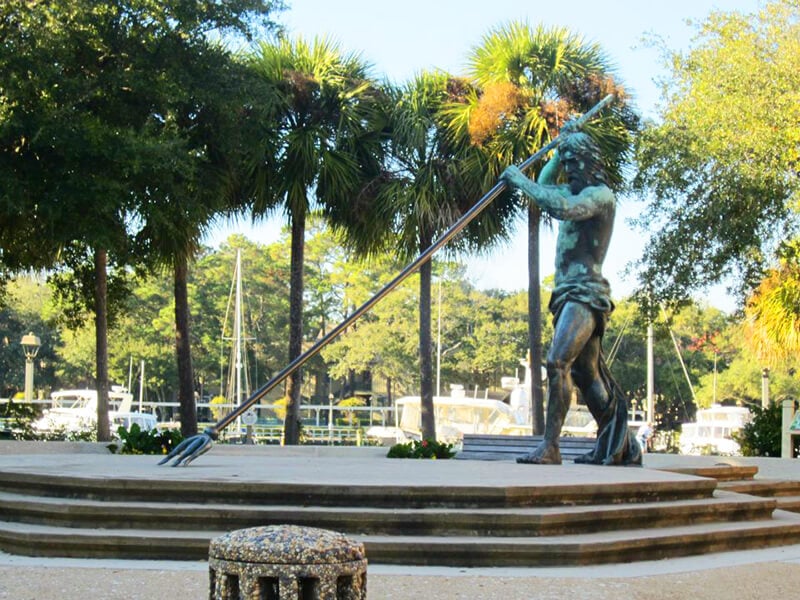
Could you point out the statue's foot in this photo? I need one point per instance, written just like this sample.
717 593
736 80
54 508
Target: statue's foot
544 454
586 459
630 457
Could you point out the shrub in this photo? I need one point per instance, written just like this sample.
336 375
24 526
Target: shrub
18 418
350 415
422 449
216 411
762 435
153 441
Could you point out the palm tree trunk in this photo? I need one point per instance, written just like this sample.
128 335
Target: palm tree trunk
428 421
535 321
101 342
186 401
291 425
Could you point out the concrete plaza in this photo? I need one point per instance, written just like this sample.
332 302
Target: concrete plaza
762 574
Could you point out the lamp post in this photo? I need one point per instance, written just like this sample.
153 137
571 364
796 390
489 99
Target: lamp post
330 419
30 346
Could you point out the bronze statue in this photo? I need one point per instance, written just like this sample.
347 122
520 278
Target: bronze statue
581 300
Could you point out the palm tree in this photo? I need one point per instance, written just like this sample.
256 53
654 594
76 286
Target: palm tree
198 169
172 234
530 81
316 154
431 182
772 323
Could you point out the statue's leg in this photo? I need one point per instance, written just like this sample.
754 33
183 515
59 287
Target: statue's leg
586 375
574 328
609 408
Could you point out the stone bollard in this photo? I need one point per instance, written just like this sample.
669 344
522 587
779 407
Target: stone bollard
286 562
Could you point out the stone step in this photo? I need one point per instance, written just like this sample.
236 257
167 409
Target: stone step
647 487
508 522
462 551
764 487
455 513
789 503
721 472
599 548
47 540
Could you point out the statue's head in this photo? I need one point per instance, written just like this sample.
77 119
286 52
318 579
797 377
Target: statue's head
582 159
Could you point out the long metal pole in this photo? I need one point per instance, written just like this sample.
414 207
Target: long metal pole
448 235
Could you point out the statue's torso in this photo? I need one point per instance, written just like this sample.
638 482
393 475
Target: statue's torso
582 246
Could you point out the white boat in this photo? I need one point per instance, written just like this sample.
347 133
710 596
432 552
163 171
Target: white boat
455 416
713 430
76 410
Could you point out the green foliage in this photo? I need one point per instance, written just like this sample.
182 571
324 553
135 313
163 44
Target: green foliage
134 108
87 434
18 411
482 334
153 441
703 336
384 340
422 449
351 417
773 311
29 309
19 418
555 73
220 412
762 435
719 168
738 374
321 137
498 340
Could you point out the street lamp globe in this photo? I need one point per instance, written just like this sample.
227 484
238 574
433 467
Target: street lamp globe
30 345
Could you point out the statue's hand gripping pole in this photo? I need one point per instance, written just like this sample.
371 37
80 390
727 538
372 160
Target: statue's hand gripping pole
197 445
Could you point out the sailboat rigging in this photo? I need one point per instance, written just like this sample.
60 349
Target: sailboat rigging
238 380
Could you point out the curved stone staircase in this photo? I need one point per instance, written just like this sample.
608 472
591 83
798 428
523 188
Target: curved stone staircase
562 521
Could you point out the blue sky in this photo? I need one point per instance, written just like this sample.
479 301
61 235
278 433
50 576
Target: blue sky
400 38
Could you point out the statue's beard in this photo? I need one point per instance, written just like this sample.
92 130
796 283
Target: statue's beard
576 184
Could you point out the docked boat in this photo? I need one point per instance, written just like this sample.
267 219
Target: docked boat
76 410
454 416
713 431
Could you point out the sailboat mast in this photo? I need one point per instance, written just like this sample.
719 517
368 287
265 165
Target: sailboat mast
238 328
651 412
141 386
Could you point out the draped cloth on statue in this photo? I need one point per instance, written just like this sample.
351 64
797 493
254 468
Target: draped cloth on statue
615 444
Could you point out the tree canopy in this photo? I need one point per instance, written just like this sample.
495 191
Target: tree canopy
719 170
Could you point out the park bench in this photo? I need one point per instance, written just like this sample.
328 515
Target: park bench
508 447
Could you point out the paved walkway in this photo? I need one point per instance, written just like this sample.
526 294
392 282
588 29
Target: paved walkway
755 575
762 574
